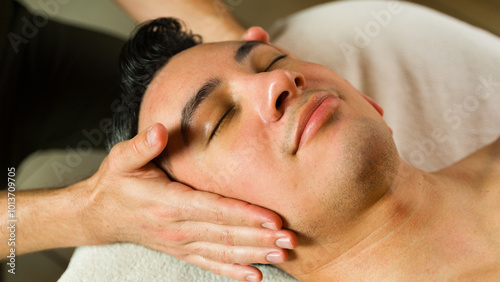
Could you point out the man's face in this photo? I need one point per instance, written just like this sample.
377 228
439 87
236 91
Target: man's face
253 122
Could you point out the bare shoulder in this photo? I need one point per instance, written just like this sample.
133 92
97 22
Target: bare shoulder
488 178
493 160
481 167
480 172
495 149
485 163
490 201
489 204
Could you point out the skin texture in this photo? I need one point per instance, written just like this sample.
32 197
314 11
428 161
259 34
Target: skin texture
359 140
350 161
358 209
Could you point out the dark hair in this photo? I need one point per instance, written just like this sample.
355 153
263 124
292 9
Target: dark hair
149 49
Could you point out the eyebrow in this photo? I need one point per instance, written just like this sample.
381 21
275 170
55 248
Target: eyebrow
194 103
189 110
245 49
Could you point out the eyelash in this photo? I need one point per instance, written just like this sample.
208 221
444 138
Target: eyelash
226 114
274 61
221 123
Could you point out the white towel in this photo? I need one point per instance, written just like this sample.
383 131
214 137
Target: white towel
129 262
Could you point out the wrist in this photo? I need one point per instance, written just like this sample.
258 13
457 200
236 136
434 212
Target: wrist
80 209
87 212
209 18
215 27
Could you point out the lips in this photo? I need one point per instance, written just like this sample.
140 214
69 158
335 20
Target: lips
314 114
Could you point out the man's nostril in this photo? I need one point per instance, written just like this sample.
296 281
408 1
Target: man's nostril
298 81
281 98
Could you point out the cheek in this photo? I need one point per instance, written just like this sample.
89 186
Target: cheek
319 76
249 167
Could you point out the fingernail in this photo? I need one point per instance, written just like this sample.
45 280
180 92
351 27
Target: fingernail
269 225
252 278
151 137
284 243
274 258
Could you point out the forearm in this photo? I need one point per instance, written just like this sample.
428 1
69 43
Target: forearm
209 18
44 219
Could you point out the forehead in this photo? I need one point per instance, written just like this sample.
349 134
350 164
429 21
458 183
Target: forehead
186 72
180 78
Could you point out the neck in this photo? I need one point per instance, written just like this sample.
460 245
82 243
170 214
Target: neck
425 225
376 235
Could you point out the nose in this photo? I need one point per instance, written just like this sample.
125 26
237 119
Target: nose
279 87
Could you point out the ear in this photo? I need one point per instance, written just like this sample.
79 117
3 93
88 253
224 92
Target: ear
377 107
256 33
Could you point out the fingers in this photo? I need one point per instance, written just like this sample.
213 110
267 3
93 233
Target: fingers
237 254
256 33
212 208
137 152
233 271
231 235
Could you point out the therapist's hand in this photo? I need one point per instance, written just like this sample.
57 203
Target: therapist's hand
130 199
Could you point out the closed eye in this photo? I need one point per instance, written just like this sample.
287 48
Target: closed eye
274 61
231 111
221 122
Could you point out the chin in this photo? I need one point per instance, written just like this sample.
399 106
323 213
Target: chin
370 152
363 164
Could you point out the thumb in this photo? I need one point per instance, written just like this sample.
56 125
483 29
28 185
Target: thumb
135 153
256 33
